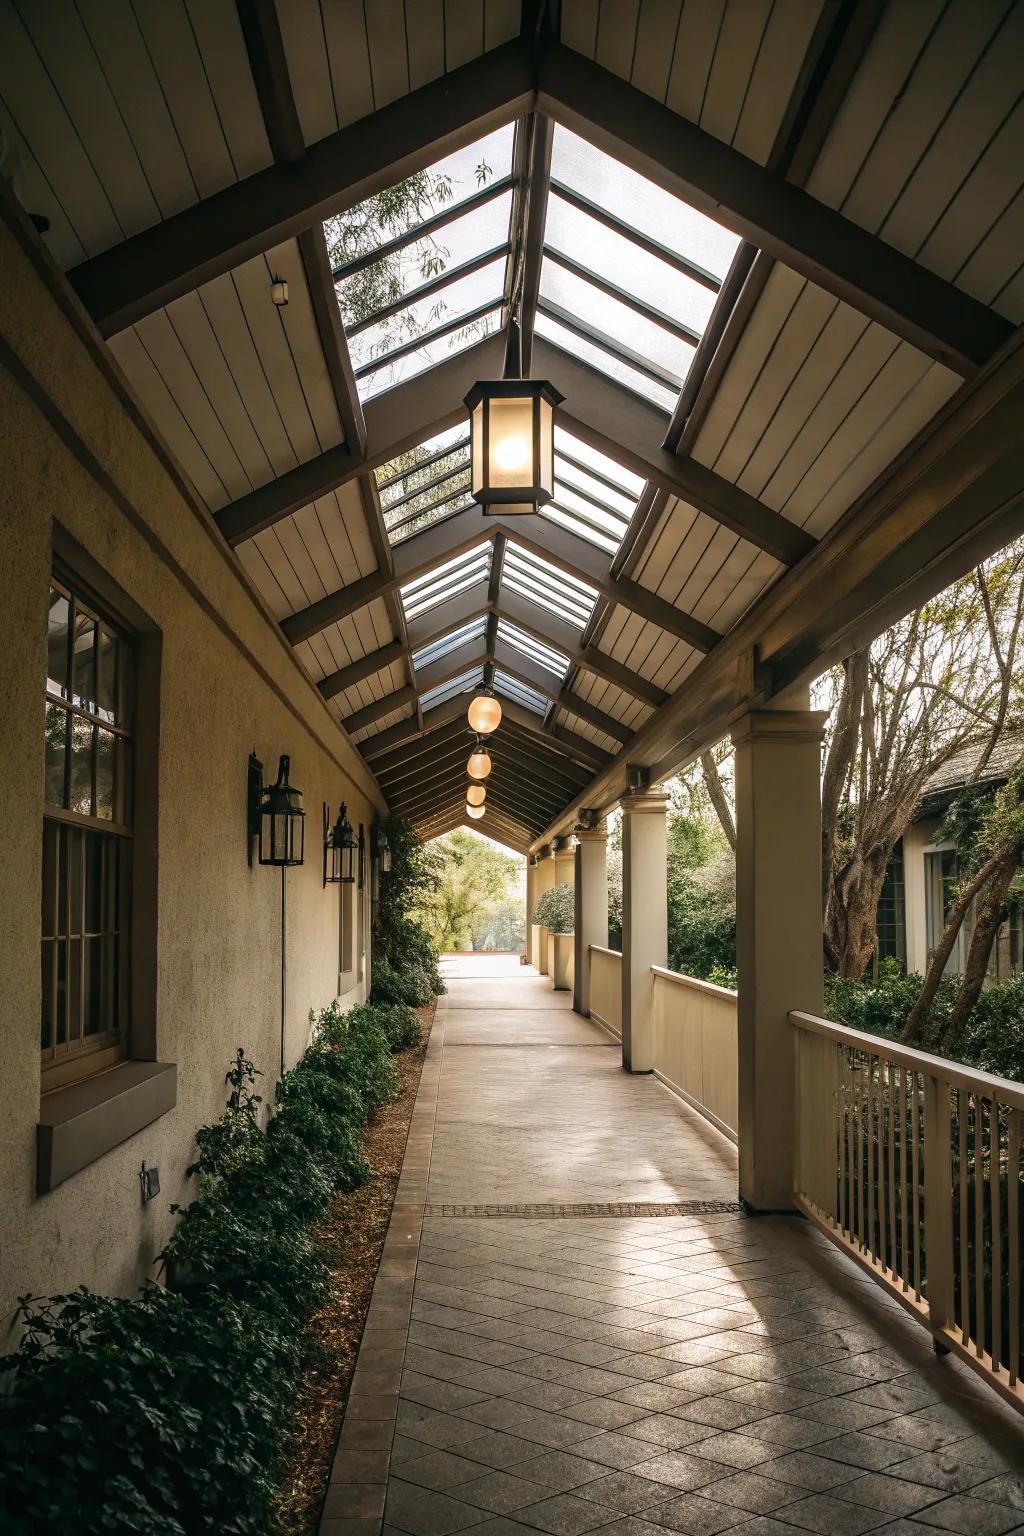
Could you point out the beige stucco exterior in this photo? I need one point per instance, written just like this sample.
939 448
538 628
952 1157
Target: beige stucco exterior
74 454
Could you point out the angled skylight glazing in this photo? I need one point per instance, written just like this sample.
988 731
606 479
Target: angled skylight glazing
594 496
425 485
465 680
419 269
445 581
535 650
565 596
630 273
445 644
512 688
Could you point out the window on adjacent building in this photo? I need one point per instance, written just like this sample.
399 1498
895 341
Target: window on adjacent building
87 839
892 929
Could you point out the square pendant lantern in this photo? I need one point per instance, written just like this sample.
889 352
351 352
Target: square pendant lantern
512 438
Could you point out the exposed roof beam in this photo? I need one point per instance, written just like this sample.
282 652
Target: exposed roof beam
370 713
147 271
356 671
509 774
777 216
515 665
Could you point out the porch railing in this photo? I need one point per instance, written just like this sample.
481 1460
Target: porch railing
912 1164
606 987
695 1044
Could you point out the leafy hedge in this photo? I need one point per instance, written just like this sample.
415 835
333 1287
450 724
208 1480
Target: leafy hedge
404 959
168 1414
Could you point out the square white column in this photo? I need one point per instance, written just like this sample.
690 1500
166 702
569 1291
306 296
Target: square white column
591 892
778 933
644 919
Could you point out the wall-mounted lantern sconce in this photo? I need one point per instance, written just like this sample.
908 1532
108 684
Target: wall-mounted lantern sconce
339 849
385 852
276 818
380 849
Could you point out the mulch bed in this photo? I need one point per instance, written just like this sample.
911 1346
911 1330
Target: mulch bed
352 1234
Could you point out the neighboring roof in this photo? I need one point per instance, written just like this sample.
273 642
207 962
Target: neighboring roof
757 246
946 781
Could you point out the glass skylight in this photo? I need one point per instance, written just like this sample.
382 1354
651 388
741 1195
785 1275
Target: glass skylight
630 273
565 596
454 685
445 644
420 268
594 496
445 581
512 688
534 650
425 485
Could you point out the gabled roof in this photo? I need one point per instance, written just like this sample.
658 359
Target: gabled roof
759 249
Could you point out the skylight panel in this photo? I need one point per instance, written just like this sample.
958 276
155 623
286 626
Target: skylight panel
663 357
565 596
445 581
594 497
535 650
512 688
424 332
638 203
425 485
450 642
449 689
598 357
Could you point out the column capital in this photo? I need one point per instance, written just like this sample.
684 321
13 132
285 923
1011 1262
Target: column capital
644 802
790 725
598 834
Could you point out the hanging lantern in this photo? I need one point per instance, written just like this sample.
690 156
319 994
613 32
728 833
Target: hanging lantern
512 436
476 794
385 854
281 821
474 812
339 850
484 713
479 765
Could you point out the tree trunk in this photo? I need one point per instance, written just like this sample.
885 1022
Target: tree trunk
851 914
719 799
921 1012
982 940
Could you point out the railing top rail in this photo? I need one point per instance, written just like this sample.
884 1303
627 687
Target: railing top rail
602 949
952 1072
694 982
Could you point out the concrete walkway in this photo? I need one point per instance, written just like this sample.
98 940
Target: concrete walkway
547 1350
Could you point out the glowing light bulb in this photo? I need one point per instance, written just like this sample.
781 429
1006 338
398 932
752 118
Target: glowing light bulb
484 714
476 794
474 811
479 765
511 453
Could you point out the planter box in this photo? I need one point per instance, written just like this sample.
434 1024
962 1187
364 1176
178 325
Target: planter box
560 948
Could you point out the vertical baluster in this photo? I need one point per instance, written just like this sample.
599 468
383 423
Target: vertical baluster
938 1202
872 1172
891 1076
979 1223
851 1150
841 1128
962 1111
882 1244
996 1228
861 1192
1013 1236
904 1249
915 1181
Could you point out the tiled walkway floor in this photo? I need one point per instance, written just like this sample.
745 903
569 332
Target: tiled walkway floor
632 1375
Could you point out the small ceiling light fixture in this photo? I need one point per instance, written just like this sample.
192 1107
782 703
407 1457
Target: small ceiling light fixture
484 713
512 436
339 849
479 765
476 794
279 291
276 817
474 812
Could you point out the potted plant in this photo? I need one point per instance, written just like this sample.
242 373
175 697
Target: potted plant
556 911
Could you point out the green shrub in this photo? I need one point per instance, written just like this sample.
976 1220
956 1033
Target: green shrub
168 1414
410 985
556 910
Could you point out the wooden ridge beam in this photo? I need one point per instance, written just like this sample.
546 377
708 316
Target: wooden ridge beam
772 213
172 258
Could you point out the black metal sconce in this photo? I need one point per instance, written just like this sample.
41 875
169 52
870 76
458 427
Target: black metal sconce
276 818
339 849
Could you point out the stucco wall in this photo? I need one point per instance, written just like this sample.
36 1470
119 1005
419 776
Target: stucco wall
72 451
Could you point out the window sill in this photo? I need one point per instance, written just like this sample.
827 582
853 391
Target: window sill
79 1124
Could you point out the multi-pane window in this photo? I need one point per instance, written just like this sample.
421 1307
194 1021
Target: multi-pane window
87 839
892 934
